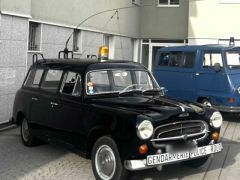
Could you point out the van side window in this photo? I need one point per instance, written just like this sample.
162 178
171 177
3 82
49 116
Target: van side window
188 59
71 84
52 80
172 59
209 59
34 78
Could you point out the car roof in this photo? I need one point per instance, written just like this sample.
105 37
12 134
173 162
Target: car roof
216 47
90 64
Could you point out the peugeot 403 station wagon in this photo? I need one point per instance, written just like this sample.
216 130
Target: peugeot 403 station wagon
115 114
208 74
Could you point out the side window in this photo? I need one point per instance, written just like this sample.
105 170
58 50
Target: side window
209 59
71 84
164 59
52 80
34 78
173 59
188 59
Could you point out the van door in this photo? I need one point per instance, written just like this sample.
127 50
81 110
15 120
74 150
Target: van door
175 72
210 83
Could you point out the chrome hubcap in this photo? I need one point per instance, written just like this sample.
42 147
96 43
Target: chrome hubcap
25 130
105 162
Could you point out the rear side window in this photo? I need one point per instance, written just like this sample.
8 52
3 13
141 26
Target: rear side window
71 84
34 78
52 80
177 59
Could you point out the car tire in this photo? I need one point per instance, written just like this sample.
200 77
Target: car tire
195 163
27 138
106 162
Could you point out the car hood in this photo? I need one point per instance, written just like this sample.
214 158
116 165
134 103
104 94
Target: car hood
153 106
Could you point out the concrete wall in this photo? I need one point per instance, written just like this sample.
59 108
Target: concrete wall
210 19
13 47
22 7
72 12
164 22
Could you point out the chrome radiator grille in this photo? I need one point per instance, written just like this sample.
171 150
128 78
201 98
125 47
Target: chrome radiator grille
183 130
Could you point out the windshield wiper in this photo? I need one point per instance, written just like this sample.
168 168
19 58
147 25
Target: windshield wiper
130 91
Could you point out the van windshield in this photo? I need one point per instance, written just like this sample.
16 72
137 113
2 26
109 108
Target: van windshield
233 59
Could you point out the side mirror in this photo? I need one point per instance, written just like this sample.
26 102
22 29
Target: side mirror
164 90
217 67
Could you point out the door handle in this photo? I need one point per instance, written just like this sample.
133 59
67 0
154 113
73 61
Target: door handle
34 98
197 74
54 104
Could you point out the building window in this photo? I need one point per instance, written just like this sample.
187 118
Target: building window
168 2
76 40
34 36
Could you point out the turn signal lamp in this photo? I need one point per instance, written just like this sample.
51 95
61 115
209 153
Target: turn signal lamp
231 100
215 136
143 149
103 53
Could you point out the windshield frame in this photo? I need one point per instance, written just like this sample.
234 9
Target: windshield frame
116 69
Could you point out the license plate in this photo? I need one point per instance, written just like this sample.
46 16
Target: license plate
179 156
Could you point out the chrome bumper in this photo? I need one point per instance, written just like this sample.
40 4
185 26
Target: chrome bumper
141 164
227 108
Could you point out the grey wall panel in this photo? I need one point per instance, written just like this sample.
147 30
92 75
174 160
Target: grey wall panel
13 47
91 41
164 22
16 6
72 12
123 48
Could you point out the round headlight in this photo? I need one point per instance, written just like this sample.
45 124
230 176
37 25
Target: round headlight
216 120
145 129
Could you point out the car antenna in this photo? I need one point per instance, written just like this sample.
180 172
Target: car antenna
66 51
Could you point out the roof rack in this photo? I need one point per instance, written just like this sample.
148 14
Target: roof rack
35 57
65 53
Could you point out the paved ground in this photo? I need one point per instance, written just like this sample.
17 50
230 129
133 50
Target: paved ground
54 163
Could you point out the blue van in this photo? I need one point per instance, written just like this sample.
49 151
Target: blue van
209 74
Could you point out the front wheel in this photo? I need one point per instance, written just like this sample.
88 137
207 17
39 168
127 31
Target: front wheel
106 162
195 163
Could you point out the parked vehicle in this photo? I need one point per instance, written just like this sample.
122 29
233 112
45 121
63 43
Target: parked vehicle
207 74
114 113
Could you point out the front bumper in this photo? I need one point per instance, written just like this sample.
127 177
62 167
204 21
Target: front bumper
141 164
227 108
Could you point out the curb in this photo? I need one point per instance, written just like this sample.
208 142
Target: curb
7 126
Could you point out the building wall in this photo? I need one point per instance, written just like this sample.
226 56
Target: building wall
72 12
13 47
164 22
213 20
22 7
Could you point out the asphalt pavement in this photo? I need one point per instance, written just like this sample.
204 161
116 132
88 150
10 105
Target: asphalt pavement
51 162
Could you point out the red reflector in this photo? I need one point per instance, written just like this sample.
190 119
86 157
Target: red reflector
231 100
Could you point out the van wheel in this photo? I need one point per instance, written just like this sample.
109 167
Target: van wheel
195 163
206 102
106 162
27 138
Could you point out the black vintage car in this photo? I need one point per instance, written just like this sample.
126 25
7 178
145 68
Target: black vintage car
114 113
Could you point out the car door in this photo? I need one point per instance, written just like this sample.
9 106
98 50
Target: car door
67 115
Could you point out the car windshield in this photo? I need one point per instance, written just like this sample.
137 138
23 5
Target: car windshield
119 81
233 59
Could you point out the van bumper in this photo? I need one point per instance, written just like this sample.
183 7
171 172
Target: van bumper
227 108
